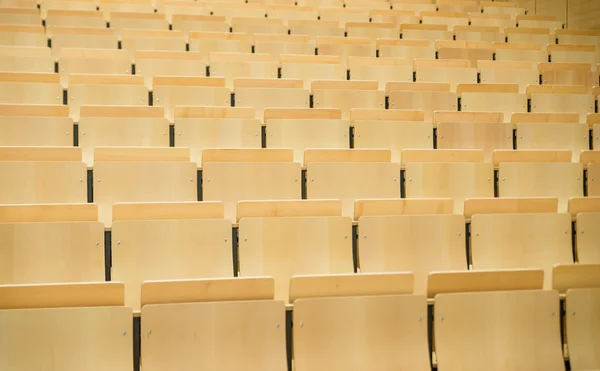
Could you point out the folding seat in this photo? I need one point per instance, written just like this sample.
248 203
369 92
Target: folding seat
396 17
426 97
383 70
486 136
226 316
42 175
539 21
343 15
18 16
534 53
153 40
300 129
260 94
18 35
539 173
372 30
522 73
297 13
253 26
586 213
366 4
30 88
115 90
554 136
321 3
35 125
473 51
56 243
131 6
395 237
19 4
198 128
152 64
312 67
277 45
138 21
374 307
511 205
406 49
431 32
445 117
47 5
541 36
238 10
450 71
492 20
450 19
578 37
593 121
149 174
416 6
574 54
315 29
346 47
351 174
199 23
233 175
544 118
558 73
503 98
446 173
211 42
498 7
459 6
26 59
393 129
197 235
591 160
242 65
346 95
479 33
93 61
188 13
76 37
87 323
170 92
75 18
557 98
273 2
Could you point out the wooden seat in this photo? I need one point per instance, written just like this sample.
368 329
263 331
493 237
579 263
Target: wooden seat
296 13
318 248
541 173
26 59
405 49
554 136
541 36
185 12
300 129
312 67
402 206
578 37
238 10
209 42
472 51
541 118
329 308
582 305
142 175
215 127
591 160
345 47
153 40
51 243
383 70
314 29
98 325
261 94
161 63
558 73
79 37
138 21
48 5
30 88
508 72
277 45
19 16
35 125
443 117
511 205
372 30
396 17
534 53
450 19
492 20
487 136
456 174
131 6
232 315
449 71
460 6
556 98
170 92
586 212
513 329
416 6
346 95
197 233
400 242
431 32
233 175
503 98
42 175
479 33
23 35
393 129
253 26
343 15
199 23
93 61
426 97
348 174
75 18
366 4
498 7
574 54
242 65
539 21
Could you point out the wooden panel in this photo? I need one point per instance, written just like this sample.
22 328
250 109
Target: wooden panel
30 92
583 204
288 208
134 40
570 276
464 117
167 210
444 155
507 103
288 246
583 327
531 156
583 14
514 329
213 112
262 98
36 131
104 94
485 136
151 64
295 113
523 77
375 207
580 103
427 101
385 115
572 137
507 205
558 73
247 155
48 213
242 67
593 172
347 99
381 73
346 155
141 154
19 35
406 49
588 248
543 118
171 96
40 154
453 76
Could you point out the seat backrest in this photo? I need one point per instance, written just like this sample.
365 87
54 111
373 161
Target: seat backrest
472 51
492 20
100 326
81 37
163 63
402 206
343 15
396 17
190 21
426 97
452 72
591 160
18 16
314 29
431 32
346 95
472 135
235 9
522 73
287 12
373 307
532 52
277 45
153 40
224 315
346 47
492 98
30 88
35 125
26 59
487 33
558 73
444 117
382 70
23 35
574 54
322 244
529 35
406 49
572 137
578 37
138 21
222 42
242 65
93 61
253 26
312 67
539 21
132 6
375 30
450 19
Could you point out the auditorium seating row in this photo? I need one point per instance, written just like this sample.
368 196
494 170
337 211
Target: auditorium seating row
340 322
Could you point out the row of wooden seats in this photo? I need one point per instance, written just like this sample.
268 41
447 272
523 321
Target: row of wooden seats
341 322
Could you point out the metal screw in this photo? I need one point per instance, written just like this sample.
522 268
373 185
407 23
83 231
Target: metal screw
163 133
420 319
410 179
345 236
99 180
394 179
364 236
582 232
245 238
68 133
312 179
572 313
552 314
191 179
149 332
477 234
97 243
124 333
178 134
277 325
301 324
441 318
460 234
83 133
208 180
270 134
358 135
225 239
80 180
118 242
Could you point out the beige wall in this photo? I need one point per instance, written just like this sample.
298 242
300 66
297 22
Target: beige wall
576 13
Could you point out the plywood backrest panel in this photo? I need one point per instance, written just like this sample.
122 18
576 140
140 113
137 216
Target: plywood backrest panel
170 97
583 327
588 249
288 208
572 137
506 205
485 136
571 276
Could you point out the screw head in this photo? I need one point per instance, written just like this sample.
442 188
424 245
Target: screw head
225 239
277 325
97 243
191 179
301 324
118 242
80 180
364 236
124 333
149 332
245 238
99 180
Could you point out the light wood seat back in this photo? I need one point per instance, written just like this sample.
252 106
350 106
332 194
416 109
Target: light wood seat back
23 35
508 72
198 21
313 67
471 135
426 97
93 61
503 98
261 94
402 206
559 98
559 73
346 47
277 45
253 26
219 42
153 40
35 125
513 51
162 63
382 70
572 137
74 18
431 32
346 95
19 16
138 21
520 34
81 37
30 88
405 48
242 65
315 28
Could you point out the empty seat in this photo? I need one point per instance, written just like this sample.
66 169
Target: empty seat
479 33
456 174
93 61
366 4
151 64
215 127
209 42
558 73
556 136
416 6
575 54
402 206
541 36
426 97
445 117
242 65
233 175
23 35
199 23
314 29
346 95
511 205
348 174
138 21
75 18
253 26
520 52
328 307
131 6
300 129
460 6
449 19
539 21
472 51
451 71
142 175
312 67
134 40
182 13
100 326
503 98
26 59
238 10
556 98
393 239
42 175
586 212
343 15
539 173
393 129
18 16
544 118
321 245
30 88
277 45
508 72
591 160
487 136
297 13
35 125
345 47
492 20
396 17
406 49
372 30
232 315
270 93
382 70
51 243
47 5
431 32
78 37
498 7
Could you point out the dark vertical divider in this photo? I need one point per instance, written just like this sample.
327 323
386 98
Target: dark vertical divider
402 183
199 185
289 324
351 136
435 143
137 346
171 135
430 319
263 136
303 185
355 247
235 247
107 255
90 186
468 243
574 241
496 184
65 97
75 135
